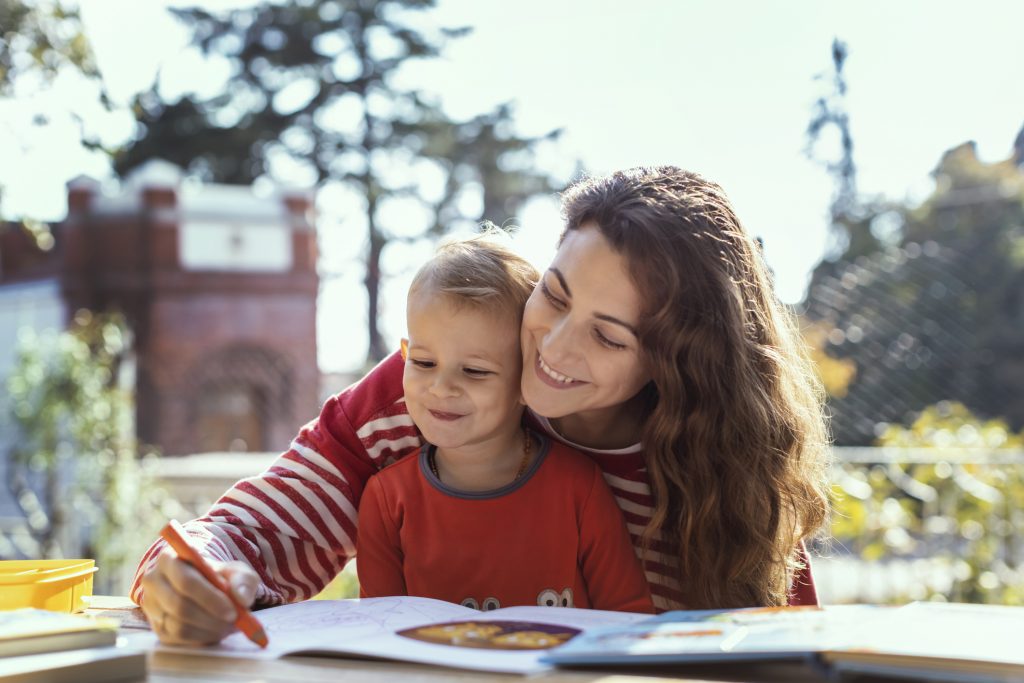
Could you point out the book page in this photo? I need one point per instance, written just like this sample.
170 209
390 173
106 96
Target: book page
945 632
509 640
322 624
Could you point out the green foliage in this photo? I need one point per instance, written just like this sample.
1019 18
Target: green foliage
99 498
39 39
314 96
953 491
344 585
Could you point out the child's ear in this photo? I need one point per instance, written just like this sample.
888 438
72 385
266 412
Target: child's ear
405 349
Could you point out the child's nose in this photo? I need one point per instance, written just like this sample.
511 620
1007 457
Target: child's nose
444 386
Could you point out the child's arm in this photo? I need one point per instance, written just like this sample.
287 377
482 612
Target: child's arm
379 558
295 524
613 573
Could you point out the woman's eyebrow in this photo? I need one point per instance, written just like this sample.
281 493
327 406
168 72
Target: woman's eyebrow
561 281
611 319
599 316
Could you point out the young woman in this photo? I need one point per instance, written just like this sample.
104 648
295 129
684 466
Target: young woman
654 344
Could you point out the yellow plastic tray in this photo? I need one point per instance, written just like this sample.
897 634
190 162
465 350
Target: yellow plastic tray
57 585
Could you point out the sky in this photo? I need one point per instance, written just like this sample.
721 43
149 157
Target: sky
724 88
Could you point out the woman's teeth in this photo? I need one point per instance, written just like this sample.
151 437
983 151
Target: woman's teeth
557 376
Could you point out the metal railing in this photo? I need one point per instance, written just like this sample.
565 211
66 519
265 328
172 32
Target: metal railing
925 523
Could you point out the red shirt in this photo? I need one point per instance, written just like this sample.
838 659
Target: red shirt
553 537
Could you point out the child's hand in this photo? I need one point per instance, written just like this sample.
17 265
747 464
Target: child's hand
183 608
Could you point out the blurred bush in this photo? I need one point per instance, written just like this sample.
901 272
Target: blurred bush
76 471
962 505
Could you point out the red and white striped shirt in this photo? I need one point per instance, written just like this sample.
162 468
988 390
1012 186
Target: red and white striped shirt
296 522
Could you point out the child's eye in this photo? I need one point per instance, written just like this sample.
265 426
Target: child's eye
554 301
477 372
425 364
605 341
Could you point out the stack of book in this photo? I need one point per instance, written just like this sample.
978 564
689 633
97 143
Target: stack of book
925 641
40 645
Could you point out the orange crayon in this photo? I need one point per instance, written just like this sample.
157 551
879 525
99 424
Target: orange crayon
175 536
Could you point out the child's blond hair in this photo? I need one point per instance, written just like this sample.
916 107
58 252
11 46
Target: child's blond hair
479 272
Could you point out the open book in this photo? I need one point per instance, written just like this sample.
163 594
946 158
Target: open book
508 640
922 641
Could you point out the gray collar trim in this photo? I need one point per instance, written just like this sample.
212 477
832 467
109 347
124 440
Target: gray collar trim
542 452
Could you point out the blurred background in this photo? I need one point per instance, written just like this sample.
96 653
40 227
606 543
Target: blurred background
209 216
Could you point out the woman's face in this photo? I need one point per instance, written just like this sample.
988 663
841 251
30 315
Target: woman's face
580 349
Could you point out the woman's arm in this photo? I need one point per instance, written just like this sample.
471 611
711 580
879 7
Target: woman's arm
295 524
803 590
615 578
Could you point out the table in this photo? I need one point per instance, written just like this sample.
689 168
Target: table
172 668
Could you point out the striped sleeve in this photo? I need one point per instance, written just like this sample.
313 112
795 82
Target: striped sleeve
296 522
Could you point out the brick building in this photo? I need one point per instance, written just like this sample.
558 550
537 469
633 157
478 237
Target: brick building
219 286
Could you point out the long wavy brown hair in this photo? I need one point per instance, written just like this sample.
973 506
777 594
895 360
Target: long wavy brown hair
734 435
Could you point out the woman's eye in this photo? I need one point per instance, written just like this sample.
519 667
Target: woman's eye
605 341
554 301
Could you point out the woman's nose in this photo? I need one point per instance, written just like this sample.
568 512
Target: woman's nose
560 343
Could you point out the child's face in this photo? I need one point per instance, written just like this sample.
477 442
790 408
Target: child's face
462 372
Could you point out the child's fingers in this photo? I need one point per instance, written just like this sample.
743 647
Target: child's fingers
242 579
176 631
176 619
189 591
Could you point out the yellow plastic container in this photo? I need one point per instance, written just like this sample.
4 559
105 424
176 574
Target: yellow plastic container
57 585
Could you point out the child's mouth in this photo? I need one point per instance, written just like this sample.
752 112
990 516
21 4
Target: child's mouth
441 415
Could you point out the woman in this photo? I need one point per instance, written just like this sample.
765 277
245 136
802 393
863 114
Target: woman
655 344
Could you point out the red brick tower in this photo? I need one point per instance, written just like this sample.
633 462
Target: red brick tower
219 286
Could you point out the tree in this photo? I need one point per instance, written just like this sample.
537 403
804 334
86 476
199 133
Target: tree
851 235
923 301
938 313
313 94
38 43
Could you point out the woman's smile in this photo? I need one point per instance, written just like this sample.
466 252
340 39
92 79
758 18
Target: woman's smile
554 378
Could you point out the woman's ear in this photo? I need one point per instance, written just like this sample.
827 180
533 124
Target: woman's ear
405 349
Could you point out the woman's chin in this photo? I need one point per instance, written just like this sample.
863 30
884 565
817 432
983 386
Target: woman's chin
548 402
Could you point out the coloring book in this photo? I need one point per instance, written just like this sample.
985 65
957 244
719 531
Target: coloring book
507 640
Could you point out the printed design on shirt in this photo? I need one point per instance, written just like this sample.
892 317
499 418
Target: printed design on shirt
493 635
487 605
552 598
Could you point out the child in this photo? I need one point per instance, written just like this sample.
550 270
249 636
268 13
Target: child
490 514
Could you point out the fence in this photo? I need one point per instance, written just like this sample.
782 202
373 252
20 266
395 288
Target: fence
925 523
